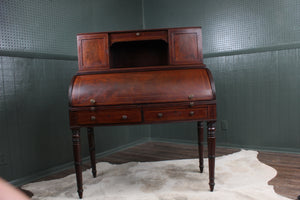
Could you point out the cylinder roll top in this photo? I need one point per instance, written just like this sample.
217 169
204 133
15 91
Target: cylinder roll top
142 87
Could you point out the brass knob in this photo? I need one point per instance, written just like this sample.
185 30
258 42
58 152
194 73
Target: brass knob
192 113
124 117
160 115
137 34
92 101
191 96
93 118
192 104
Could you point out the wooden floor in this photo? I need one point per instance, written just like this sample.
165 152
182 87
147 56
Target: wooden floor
286 183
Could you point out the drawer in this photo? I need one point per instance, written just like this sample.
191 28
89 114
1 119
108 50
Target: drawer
138 35
176 114
110 116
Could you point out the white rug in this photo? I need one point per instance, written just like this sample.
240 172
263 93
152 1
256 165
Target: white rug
239 176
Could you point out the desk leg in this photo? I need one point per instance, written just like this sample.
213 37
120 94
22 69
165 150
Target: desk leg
90 132
77 160
211 146
200 145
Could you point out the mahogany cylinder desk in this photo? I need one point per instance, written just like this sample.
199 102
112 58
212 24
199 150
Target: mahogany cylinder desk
141 77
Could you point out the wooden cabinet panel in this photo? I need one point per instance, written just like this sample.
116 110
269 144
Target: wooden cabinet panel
93 52
185 46
175 114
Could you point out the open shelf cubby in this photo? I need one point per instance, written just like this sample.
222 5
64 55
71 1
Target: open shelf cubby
139 54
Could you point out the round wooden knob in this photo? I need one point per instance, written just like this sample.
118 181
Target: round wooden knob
124 117
192 113
160 115
93 118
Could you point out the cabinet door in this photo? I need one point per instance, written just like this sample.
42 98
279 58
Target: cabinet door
185 46
93 52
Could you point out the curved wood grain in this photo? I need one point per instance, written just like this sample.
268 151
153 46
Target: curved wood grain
142 87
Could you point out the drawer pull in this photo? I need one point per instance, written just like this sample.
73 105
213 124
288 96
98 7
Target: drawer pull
192 104
93 101
137 34
160 115
93 118
124 117
192 113
191 96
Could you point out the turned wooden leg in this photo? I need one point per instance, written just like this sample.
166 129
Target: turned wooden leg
200 145
90 132
211 146
77 160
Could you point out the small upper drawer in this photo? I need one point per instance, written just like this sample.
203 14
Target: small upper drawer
138 35
176 114
109 116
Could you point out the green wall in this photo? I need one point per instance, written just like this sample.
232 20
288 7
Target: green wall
38 58
252 48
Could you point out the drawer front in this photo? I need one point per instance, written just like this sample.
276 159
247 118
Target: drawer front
108 116
136 36
176 114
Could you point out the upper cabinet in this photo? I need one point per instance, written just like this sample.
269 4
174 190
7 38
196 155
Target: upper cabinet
93 53
140 48
185 46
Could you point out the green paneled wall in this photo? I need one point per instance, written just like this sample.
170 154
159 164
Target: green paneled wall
252 49
230 25
34 128
50 27
38 58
